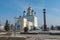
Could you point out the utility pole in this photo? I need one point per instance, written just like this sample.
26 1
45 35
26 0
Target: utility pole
44 14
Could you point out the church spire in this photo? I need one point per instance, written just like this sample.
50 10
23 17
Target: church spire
30 11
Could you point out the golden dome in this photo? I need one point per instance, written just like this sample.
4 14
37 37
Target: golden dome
30 8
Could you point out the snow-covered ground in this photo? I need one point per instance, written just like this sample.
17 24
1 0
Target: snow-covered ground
34 36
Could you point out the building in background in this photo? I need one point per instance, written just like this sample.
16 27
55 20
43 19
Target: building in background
29 19
2 28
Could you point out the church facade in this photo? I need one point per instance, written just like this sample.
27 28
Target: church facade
29 19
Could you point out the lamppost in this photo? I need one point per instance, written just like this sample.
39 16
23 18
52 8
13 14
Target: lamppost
44 14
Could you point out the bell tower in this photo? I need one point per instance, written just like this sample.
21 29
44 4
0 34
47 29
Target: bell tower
29 11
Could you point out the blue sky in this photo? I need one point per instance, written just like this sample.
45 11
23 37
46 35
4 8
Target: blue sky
14 8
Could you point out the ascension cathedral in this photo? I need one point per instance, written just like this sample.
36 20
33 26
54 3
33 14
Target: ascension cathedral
29 19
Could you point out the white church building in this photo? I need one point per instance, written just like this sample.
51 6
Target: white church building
29 19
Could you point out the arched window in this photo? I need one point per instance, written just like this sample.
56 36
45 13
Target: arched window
18 27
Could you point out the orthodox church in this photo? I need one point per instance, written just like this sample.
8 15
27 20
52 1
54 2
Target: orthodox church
29 19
